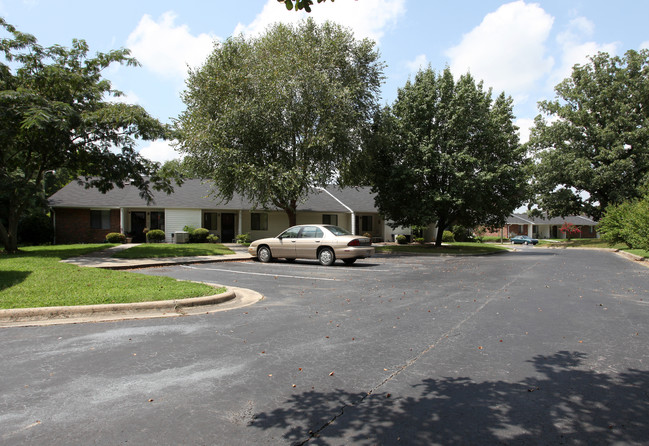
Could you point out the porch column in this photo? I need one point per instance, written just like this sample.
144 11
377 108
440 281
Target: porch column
122 220
240 223
529 229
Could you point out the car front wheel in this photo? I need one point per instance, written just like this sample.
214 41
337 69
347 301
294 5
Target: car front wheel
326 257
264 255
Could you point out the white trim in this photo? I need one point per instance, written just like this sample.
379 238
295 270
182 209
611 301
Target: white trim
345 206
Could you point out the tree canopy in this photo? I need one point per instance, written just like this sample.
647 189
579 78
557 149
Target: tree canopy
592 141
54 114
271 121
300 4
445 152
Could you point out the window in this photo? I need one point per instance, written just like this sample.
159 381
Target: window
290 233
157 220
364 223
259 222
209 220
100 219
330 219
311 232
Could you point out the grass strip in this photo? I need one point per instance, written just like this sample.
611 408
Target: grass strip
452 248
157 250
35 277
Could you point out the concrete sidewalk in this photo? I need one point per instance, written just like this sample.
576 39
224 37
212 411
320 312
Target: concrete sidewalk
105 259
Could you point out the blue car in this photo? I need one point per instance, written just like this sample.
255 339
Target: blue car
523 240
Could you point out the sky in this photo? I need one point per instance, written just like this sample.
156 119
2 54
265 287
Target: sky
523 48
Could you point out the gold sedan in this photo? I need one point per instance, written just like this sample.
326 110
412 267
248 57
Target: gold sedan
326 243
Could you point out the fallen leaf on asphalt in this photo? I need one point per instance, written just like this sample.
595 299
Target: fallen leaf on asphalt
294 385
150 400
480 348
331 374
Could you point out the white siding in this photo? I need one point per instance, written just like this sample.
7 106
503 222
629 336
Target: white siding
177 219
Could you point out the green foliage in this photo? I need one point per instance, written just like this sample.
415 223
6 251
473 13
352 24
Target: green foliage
115 237
271 120
461 233
591 141
155 236
55 114
627 223
243 238
35 229
448 237
189 229
420 240
401 239
451 149
212 238
300 4
199 235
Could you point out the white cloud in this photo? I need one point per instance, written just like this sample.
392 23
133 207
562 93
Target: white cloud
507 50
367 18
574 50
129 97
166 48
524 125
644 45
418 63
160 151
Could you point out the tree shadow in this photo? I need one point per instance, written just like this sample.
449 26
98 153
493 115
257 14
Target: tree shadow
11 278
562 405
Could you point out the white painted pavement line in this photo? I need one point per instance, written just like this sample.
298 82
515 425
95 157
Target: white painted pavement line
259 274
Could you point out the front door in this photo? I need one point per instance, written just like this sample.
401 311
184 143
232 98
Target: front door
138 223
227 228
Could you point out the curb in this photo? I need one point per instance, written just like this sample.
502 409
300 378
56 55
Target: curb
232 298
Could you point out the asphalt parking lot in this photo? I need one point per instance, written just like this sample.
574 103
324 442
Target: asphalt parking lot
534 347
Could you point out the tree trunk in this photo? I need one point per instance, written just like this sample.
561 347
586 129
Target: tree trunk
291 212
9 235
441 225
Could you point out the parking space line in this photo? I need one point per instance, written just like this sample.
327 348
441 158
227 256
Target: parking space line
259 274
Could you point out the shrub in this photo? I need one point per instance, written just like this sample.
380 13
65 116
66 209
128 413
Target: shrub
461 234
35 229
199 235
155 236
243 238
420 240
367 234
627 223
212 238
448 237
115 237
401 239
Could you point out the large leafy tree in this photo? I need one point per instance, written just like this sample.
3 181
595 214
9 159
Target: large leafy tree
446 152
54 114
592 141
270 121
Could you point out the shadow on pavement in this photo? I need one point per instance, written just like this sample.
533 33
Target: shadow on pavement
562 405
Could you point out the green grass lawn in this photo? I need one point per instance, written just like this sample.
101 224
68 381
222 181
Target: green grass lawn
451 248
36 278
155 250
592 243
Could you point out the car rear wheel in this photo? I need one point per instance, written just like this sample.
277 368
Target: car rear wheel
326 257
349 261
264 255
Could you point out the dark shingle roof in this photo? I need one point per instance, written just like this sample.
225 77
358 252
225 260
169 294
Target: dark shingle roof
196 194
518 219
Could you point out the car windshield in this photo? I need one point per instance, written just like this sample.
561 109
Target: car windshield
335 230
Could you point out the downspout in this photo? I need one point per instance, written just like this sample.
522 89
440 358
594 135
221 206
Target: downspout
343 205
240 225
